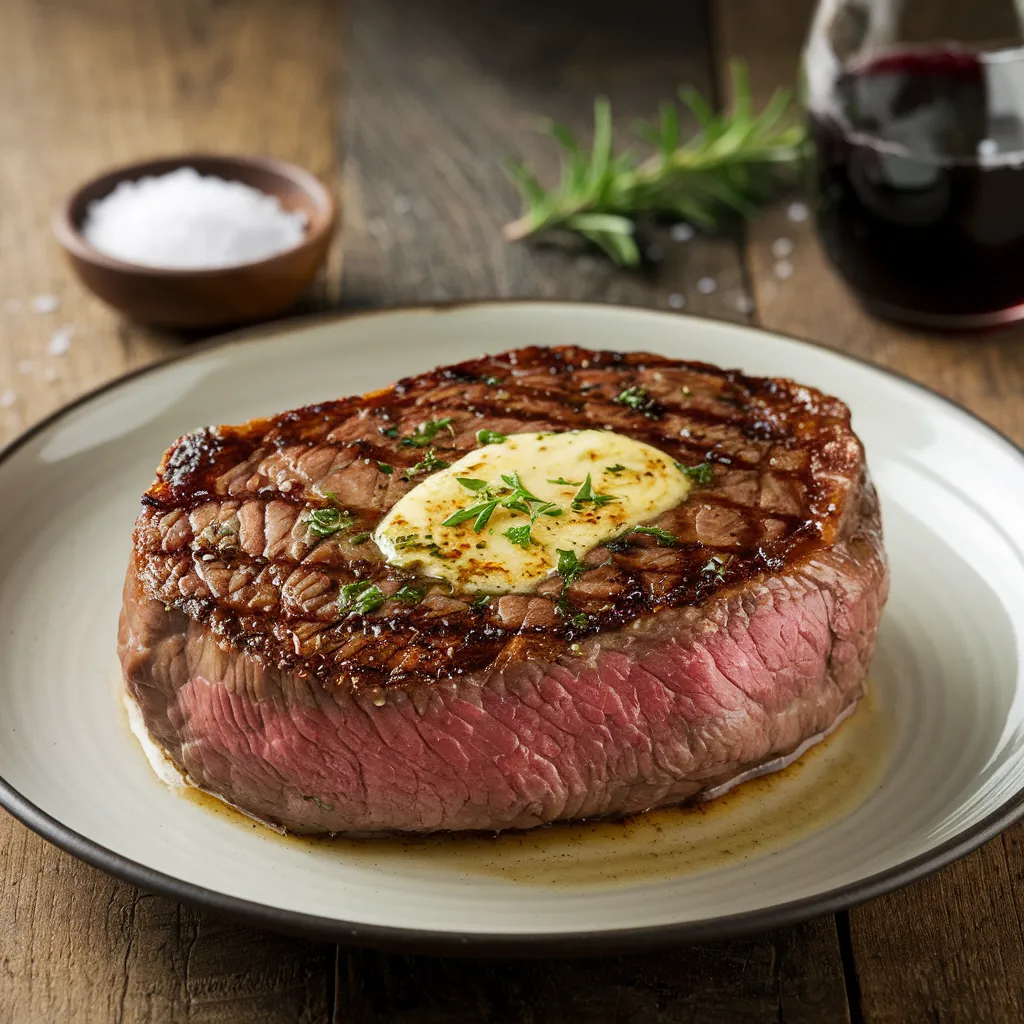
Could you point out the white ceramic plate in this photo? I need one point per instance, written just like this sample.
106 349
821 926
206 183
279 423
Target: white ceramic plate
934 767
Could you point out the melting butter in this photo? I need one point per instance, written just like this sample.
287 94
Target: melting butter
517 548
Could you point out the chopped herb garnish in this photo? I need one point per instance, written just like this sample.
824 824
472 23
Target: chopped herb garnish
492 382
426 432
514 497
386 467
686 391
703 473
519 535
360 598
616 469
481 602
408 594
389 431
471 484
325 522
562 482
638 399
569 567
587 495
490 437
322 804
663 537
429 463
360 538
580 621
716 566
413 542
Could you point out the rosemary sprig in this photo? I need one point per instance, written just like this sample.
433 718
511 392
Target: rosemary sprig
737 159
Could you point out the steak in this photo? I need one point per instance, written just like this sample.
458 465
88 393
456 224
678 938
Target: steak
663 671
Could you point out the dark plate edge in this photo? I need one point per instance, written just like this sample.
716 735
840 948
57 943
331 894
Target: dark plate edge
595 943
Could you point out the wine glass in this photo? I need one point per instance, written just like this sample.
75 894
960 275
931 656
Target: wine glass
916 116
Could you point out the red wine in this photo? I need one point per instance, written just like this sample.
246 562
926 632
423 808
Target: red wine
920 187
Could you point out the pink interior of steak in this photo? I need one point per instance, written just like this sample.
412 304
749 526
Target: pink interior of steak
225 537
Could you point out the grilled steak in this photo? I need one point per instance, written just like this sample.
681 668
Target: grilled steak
662 671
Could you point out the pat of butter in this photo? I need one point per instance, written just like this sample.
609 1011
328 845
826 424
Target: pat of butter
643 482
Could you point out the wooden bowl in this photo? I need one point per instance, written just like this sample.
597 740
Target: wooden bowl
204 298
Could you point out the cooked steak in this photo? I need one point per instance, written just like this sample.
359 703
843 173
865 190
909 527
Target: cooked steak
730 631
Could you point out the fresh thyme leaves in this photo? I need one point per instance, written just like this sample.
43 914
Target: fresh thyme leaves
481 602
580 620
389 431
587 495
569 567
519 535
325 522
413 542
514 497
426 432
616 469
386 467
715 566
738 159
638 399
409 594
322 804
663 537
703 473
490 437
561 481
360 598
429 463
361 538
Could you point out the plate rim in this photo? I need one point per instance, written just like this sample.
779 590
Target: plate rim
496 944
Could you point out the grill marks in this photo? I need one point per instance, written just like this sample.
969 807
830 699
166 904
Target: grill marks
222 534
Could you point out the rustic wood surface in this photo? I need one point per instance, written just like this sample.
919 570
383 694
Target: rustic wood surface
433 95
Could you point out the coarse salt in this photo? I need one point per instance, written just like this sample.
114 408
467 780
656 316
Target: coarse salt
707 286
681 232
45 303
677 300
187 221
7 399
60 341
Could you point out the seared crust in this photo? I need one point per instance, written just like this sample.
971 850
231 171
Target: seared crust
222 536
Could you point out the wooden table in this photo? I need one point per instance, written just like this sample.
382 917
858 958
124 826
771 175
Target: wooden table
408 109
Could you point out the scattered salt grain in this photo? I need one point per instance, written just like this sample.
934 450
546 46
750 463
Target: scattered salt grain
50 374
676 300
797 212
12 305
745 304
184 220
681 232
7 399
707 286
783 270
26 366
782 247
45 303
60 341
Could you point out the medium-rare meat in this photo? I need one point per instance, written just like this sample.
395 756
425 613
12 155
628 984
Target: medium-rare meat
719 639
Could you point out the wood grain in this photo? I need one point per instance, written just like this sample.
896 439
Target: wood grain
949 948
88 84
424 137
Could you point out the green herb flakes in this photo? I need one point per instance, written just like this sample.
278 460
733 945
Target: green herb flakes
426 432
490 437
361 538
569 567
616 469
716 565
519 535
386 468
702 474
663 537
587 495
637 399
409 594
580 621
325 522
562 482
429 463
360 598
